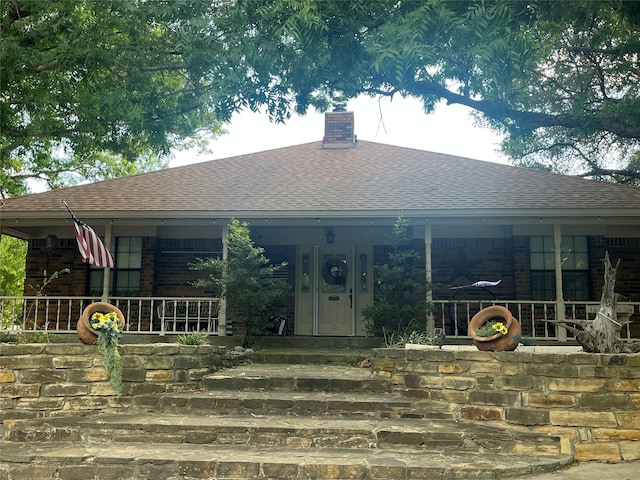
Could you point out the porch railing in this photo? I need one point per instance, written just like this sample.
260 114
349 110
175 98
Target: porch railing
144 315
453 316
170 315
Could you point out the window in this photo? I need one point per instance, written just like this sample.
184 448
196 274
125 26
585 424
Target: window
575 268
306 279
96 278
125 277
364 272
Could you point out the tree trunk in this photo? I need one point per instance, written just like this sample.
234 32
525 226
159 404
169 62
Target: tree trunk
602 334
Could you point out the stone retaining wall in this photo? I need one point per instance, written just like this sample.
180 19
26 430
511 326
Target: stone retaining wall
590 400
38 380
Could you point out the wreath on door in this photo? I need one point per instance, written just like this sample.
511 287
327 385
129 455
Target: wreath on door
334 272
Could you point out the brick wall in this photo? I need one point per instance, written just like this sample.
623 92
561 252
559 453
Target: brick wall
591 400
62 254
38 380
458 261
148 262
522 268
165 266
173 275
339 130
625 249
464 261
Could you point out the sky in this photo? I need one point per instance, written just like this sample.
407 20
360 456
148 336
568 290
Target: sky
400 122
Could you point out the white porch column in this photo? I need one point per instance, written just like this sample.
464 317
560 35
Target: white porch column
560 307
428 267
222 313
106 277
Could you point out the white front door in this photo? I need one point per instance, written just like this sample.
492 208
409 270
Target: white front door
334 312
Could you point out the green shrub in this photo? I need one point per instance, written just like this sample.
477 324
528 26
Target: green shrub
400 306
7 336
20 336
39 336
247 280
192 338
396 340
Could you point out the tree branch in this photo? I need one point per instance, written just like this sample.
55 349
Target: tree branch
530 120
613 52
24 133
44 67
159 68
622 175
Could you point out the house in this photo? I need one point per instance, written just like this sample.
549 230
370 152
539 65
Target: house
333 203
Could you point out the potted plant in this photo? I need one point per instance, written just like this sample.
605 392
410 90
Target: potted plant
86 333
495 329
102 323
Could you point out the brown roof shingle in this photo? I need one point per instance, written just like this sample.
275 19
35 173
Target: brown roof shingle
306 178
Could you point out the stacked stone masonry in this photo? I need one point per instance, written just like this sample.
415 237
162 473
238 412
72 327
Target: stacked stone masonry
591 400
40 380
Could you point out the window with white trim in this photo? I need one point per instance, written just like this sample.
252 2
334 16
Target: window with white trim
125 277
574 254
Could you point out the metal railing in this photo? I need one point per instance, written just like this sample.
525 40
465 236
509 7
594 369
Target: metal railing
453 316
144 315
168 315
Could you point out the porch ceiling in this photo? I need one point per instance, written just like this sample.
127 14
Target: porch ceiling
39 227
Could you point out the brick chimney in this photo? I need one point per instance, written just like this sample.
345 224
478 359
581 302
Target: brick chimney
338 130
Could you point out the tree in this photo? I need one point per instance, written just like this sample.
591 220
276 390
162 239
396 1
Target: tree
246 279
12 274
559 79
13 252
100 88
400 305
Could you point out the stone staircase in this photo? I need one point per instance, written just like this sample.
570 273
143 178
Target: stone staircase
283 415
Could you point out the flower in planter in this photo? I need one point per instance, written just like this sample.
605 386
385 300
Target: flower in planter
499 327
108 335
492 327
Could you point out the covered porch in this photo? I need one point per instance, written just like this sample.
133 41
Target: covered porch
547 270
166 316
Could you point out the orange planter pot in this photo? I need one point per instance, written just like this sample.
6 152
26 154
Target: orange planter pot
86 333
498 342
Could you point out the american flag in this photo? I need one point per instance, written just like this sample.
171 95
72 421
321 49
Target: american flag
91 247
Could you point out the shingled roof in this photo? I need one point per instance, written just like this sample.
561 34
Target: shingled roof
368 179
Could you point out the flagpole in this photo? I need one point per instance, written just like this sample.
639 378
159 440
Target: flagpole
69 210
106 279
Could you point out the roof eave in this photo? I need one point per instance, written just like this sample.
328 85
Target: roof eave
110 216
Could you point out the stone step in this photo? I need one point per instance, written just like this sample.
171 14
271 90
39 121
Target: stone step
297 378
284 403
277 417
311 355
144 461
313 344
268 430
